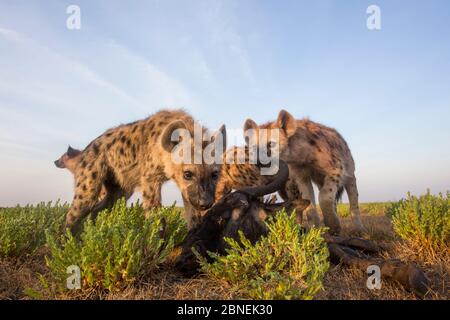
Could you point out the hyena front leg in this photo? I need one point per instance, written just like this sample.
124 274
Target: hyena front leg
307 191
151 193
87 191
291 192
352 192
327 201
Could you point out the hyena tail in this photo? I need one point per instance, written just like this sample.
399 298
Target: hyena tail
339 194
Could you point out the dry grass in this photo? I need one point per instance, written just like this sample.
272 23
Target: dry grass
350 284
340 282
20 275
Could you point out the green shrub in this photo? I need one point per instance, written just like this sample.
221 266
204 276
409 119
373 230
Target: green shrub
22 229
286 264
375 208
423 221
371 208
343 210
119 247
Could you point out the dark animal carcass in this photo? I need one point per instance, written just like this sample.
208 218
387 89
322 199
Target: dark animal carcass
243 211
238 211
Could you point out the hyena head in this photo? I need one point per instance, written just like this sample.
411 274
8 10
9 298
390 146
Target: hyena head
273 137
194 162
69 160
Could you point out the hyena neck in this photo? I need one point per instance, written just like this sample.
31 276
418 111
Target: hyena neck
297 151
287 156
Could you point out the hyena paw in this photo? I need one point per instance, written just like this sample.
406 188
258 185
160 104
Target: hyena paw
359 227
72 224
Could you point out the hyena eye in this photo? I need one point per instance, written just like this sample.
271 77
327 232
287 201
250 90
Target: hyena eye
215 175
188 175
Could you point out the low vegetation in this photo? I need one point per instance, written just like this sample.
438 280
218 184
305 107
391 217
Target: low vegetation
372 208
121 254
423 221
285 264
118 248
22 229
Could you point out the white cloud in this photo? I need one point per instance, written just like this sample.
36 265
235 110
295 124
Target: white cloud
220 24
54 60
49 100
150 84
11 35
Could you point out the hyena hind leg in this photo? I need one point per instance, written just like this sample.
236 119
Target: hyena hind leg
352 192
86 196
327 201
113 193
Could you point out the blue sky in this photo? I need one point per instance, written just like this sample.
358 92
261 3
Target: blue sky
386 91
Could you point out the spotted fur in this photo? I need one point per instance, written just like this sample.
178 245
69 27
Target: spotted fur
235 175
138 156
315 153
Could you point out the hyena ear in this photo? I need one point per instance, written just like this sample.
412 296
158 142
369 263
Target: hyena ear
287 123
168 141
221 137
71 152
250 128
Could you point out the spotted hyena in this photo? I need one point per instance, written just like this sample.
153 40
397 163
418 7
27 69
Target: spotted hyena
238 172
139 155
110 191
315 153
